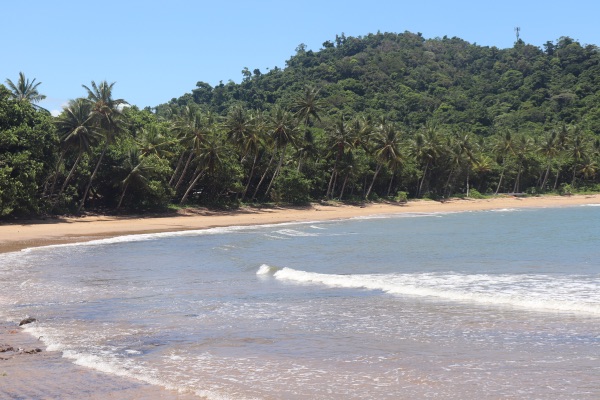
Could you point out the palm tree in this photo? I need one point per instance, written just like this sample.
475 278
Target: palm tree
386 149
461 153
25 90
577 150
108 116
523 147
152 142
253 143
78 130
306 107
550 150
208 157
340 139
283 130
191 127
425 149
504 147
138 168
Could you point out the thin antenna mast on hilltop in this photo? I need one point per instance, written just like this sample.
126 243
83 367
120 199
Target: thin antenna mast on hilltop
517 31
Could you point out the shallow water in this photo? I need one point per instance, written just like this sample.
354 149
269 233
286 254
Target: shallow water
477 305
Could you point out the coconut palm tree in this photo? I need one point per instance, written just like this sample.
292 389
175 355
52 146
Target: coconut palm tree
108 116
208 157
386 143
77 128
549 149
340 140
425 149
306 107
138 168
283 131
504 147
25 90
191 127
152 142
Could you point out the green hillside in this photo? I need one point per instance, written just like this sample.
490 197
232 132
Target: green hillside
381 116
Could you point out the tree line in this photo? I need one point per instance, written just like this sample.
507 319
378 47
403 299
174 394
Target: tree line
382 116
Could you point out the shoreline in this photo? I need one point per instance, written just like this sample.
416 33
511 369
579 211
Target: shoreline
22 368
27 234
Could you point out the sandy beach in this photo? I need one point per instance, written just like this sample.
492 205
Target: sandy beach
22 367
24 234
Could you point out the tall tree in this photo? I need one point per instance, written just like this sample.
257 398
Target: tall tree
25 90
386 150
78 130
425 149
108 116
283 131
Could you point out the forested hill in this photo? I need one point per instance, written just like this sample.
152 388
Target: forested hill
381 116
412 80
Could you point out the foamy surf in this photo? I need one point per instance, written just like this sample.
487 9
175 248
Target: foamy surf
532 292
114 364
266 270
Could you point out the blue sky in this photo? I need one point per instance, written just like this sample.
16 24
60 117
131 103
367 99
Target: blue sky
157 50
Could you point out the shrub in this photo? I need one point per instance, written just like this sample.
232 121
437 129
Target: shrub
291 186
474 194
402 197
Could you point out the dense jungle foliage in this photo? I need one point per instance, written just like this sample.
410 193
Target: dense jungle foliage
381 116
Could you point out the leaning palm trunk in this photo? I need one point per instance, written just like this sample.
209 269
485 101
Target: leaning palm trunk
373 181
331 180
199 175
176 168
546 175
516 187
556 179
123 195
62 155
390 186
277 170
250 176
187 164
87 189
71 172
264 175
501 177
343 187
423 179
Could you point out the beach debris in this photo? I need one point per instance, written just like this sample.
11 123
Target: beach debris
27 321
32 351
4 349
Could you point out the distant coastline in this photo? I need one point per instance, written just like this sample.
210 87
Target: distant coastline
26 234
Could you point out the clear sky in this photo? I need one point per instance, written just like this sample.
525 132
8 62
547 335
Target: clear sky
157 50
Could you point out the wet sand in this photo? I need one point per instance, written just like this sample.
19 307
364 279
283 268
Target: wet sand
27 373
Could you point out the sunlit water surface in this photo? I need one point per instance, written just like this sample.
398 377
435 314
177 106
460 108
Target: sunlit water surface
480 305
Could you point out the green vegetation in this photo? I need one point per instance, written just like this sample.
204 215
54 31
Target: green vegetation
364 118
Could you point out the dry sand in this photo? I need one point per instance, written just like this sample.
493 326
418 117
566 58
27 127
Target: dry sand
46 375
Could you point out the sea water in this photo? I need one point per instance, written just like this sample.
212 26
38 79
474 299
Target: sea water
473 305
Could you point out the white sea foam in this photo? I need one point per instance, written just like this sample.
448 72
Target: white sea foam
295 233
533 292
109 363
266 270
154 236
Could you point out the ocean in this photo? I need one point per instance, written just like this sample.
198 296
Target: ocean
472 305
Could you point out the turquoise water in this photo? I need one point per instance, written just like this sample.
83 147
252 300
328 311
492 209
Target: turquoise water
477 305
